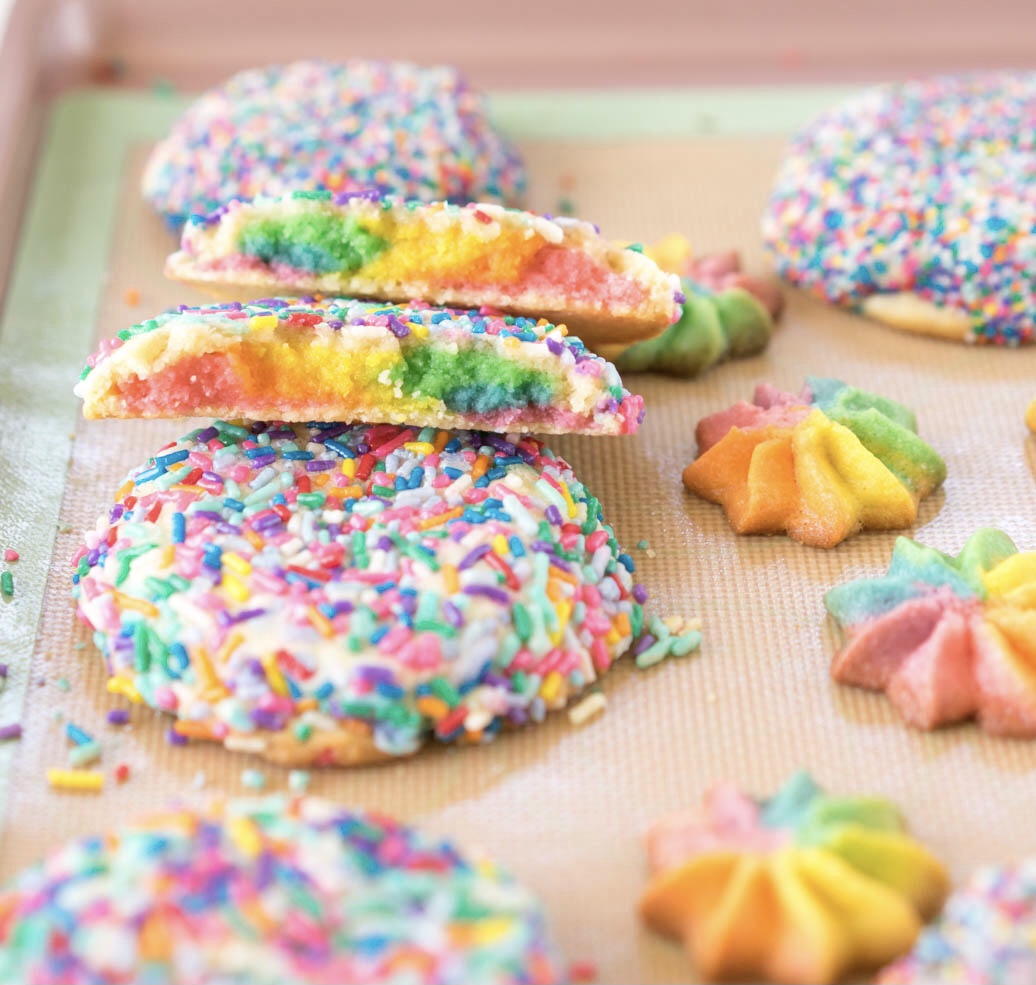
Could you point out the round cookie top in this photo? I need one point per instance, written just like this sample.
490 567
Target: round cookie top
415 131
270 891
333 593
986 934
925 188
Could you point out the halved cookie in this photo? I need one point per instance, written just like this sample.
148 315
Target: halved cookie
346 360
389 248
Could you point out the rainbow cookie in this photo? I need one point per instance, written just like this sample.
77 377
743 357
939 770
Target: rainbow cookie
820 466
913 202
946 638
802 888
727 314
335 593
270 892
418 132
1030 417
374 246
986 934
341 359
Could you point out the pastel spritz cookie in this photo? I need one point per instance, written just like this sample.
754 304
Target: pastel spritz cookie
419 132
803 888
820 466
337 594
471 256
270 892
946 638
914 203
985 935
727 314
346 360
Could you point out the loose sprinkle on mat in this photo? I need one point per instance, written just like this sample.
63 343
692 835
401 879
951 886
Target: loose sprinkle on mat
89 780
674 636
11 555
122 773
7 584
298 781
9 732
591 705
131 296
84 755
253 779
118 716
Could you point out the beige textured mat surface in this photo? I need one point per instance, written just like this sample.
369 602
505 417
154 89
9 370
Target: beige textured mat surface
564 807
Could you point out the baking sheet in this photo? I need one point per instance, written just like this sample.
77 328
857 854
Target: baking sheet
563 807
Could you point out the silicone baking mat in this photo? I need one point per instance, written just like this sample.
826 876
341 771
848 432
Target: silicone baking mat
563 807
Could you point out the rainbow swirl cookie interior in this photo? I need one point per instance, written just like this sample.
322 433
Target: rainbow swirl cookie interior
345 360
802 888
372 246
820 466
946 638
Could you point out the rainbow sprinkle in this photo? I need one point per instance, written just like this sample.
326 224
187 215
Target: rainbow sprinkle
279 586
986 934
272 891
922 187
419 132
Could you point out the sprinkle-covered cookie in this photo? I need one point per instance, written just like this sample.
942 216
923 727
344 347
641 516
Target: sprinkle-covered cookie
393 126
472 256
270 892
330 593
345 360
985 935
801 888
915 202
820 466
946 638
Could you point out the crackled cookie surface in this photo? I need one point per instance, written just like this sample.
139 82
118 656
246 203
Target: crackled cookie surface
341 126
471 256
946 638
819 466
341 359
801 888
727 314
916 202
270 892
985 935
338 594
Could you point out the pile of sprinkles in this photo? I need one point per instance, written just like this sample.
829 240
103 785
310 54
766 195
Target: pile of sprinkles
926 187
986 934
332 593
418 132
279 891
